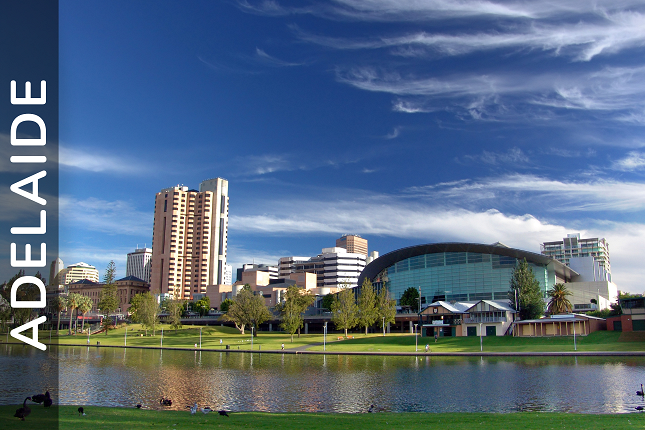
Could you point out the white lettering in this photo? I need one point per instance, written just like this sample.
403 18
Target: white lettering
28 304
28 159
33 230
28 262
33 196
33 340
28 100
28 142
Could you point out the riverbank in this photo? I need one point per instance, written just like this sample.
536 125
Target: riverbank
104 418
217 338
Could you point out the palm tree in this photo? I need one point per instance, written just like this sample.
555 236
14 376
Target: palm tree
60 304
558 302
84 306
73 299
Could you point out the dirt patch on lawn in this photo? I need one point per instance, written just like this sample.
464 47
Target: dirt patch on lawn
632 336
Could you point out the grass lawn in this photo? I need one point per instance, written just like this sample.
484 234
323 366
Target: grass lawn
188 336
99 418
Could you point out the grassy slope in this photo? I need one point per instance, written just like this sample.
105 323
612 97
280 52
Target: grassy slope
188 336
99 418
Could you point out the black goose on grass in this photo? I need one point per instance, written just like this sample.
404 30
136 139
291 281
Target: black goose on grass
24 411
48 400
81 411
223 413
38 398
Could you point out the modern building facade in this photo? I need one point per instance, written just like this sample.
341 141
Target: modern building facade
54 269
459 272
353 243
77 272
252 267
190 237
138 264
335 267
573 246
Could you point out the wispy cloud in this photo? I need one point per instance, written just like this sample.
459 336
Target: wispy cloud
633 161
513 156
95 161
273 61
394 134
271 163
113 217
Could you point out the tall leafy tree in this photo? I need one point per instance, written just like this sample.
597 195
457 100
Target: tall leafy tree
223 307
410 298
296 301
327 301
558 301
5 312
174 309
108 301
26 292
367 311
203 306
84 306
525 293
73 301
386 308
145 310
344 311
247 309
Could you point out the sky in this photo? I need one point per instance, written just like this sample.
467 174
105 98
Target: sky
404 121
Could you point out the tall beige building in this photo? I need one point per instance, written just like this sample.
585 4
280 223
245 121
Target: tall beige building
353 243
189 238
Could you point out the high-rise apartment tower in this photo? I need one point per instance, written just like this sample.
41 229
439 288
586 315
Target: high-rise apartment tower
572 246
190 236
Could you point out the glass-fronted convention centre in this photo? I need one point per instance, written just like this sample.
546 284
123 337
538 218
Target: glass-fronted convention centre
459 271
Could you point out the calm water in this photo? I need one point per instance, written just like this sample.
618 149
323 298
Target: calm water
276 382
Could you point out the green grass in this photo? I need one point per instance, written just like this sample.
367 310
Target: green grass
188 336
103 418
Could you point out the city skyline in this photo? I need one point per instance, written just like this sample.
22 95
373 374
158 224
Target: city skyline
403 122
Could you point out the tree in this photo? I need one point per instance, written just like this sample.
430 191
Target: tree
5 311
108 301
296 301
367 311
59 305
558 302
203 306
409 298
223 307
247 309
344 311
26 292
174 309
145 310
327 301
386 308
525 294
85 305
73 300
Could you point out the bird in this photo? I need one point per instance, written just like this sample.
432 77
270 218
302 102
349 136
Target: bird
81 411
165 401
223 413
48 400
374 408
38 398
138 405
193 409
641 392
639 408
24 411
206 410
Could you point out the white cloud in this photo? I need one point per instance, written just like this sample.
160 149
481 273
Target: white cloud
98 257
633 161
97 162
273 61
113 217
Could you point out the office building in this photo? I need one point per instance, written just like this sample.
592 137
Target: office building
353 243
138 264
271 270
78 272
573 246
54 270
335 267
190 239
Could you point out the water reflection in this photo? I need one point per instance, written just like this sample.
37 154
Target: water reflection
335 383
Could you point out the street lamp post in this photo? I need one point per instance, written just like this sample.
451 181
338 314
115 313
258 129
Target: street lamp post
325 336
162 337
575 348
416 339
200 338
481 339
125 339
251 338
383 326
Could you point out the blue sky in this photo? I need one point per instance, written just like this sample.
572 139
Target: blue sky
406 122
